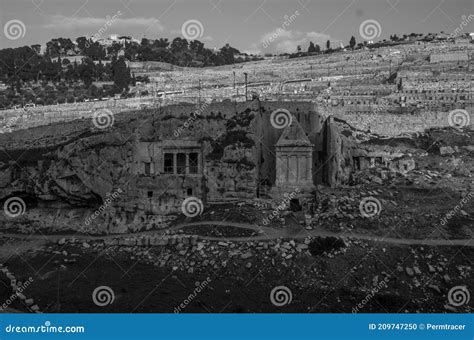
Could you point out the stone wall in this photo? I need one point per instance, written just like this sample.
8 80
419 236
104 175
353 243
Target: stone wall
387 124
449 57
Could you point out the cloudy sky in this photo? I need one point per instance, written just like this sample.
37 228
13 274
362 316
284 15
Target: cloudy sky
250 25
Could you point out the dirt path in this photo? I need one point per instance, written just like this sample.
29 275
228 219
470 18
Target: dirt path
9 249
266 233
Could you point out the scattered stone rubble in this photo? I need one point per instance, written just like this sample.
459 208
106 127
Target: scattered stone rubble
15 285
192 254
430 275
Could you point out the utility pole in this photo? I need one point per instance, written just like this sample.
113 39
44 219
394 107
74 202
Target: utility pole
234 80
245 73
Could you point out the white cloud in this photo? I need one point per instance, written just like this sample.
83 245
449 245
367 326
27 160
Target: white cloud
61 22
287 41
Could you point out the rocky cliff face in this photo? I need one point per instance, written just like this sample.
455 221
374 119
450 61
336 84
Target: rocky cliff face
66 173
74 176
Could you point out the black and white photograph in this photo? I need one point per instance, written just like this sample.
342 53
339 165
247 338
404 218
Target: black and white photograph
224 156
